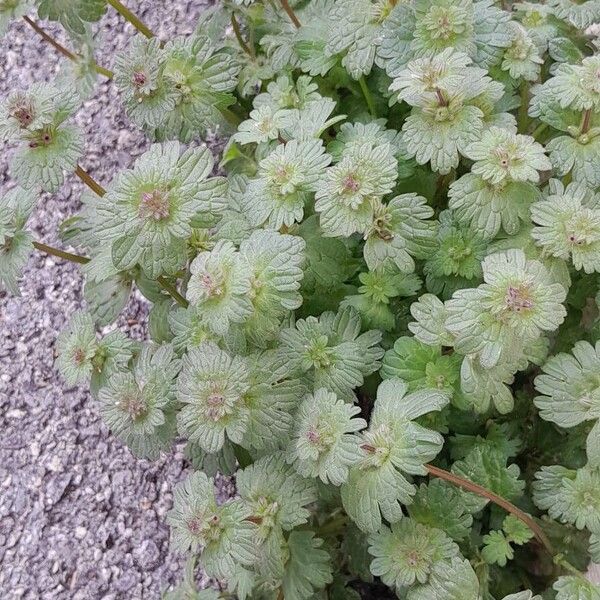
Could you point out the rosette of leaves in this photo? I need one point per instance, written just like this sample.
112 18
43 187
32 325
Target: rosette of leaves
285 182
346 196
74 15
497 193
211 386
570 392
456 261
139 75
517 302
478 29
399 230
573 586
149 211
538 21
522 58
219 287
15 241
331 352
422 366
179 89
84 357
323 443
569 101
445 118
265 124
568 225
277 497
48 146
378 296
285 93
501 156
224 532
393 448
139 405
406 554
569 495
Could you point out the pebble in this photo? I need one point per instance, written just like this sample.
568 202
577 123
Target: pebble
69 530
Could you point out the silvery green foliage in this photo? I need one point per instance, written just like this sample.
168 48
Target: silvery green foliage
392 448
47 145
139 406
386 283
74 15
174 90
15 241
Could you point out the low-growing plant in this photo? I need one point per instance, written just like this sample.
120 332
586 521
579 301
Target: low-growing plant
379 310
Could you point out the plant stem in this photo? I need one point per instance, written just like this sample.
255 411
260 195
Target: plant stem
492 497
367 94
587 121
131 17
290 13
75 258
82 260
64 51
240 39
49 38
89 181
522 116
561 561
172 290
539 129
103 71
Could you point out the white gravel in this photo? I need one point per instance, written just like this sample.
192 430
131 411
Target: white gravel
80 517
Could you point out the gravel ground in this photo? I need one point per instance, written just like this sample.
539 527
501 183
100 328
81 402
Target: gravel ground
80 517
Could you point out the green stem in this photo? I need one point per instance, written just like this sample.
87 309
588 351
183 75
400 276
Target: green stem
522 116
587 121
367 94
240 39
539 130
89 181
75 258
64 51
172 290
103 71
492 497
132 18
290 13
561 561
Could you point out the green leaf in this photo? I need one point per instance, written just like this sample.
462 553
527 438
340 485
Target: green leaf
308 568
496 549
